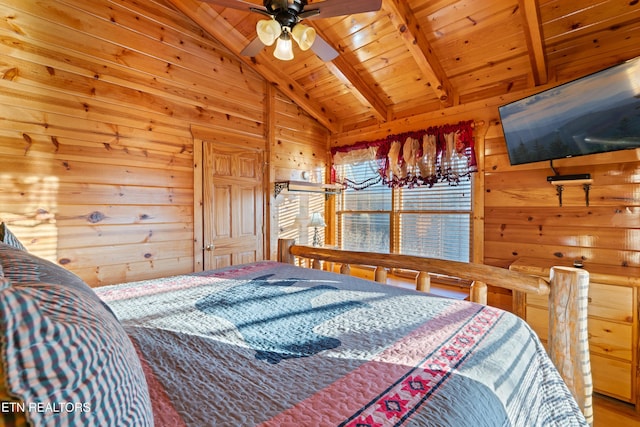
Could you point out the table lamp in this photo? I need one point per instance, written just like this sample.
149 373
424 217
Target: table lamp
316 221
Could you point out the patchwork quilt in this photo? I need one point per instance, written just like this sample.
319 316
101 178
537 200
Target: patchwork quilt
271 344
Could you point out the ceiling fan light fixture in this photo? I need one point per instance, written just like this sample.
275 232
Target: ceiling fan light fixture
284 47
268 31
304 36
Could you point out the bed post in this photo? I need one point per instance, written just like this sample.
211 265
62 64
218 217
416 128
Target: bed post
284 252
478 292
345 269
380 275
423 282
568 336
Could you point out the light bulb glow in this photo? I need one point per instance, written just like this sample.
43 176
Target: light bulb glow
284 47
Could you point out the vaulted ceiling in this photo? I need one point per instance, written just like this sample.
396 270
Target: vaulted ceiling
419 56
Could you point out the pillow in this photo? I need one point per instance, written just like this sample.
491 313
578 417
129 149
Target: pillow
6 236
18 265
67 360
23 267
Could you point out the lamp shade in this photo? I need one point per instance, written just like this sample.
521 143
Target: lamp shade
268 31
304 36
316 220
284 47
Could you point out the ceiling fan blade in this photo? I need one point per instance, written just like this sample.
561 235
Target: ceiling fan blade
234 4
329 8
253 48
323 49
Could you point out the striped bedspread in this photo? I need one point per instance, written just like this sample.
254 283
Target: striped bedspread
272 344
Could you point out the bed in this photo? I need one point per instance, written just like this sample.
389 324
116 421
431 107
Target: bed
269 344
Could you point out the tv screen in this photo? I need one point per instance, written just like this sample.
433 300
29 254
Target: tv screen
594 114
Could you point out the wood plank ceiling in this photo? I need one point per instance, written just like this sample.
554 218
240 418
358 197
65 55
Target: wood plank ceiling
419 56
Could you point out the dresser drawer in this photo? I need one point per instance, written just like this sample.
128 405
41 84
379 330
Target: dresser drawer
611 302
538 319
538 300
612 377
605 301
612 323
606 338
610 338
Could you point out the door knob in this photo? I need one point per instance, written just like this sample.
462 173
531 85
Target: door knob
208 247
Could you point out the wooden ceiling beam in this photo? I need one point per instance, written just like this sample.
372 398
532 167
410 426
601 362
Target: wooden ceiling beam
535 44
215 25
404 20
343 71
347 74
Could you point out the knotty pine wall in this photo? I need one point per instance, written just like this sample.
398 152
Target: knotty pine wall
523 217
299 145
97 103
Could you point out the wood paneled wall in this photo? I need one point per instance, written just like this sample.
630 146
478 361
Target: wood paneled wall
298 144
523 217
97 104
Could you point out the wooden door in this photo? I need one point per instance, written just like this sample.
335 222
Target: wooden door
233 205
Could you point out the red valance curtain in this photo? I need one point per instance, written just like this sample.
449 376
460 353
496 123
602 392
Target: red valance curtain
424 157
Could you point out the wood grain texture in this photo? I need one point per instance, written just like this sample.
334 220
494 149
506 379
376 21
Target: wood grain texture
485 274
568 343
98 101
612 323
416 56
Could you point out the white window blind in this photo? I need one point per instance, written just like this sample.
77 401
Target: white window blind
426 221
435 222
363 216
293 214
287 214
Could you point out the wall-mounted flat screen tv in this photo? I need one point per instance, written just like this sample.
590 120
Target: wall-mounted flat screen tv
594 114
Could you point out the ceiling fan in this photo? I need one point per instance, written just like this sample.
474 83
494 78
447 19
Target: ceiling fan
284 24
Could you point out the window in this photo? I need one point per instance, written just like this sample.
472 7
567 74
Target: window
293 213
364 216
295 204
426 221
434 222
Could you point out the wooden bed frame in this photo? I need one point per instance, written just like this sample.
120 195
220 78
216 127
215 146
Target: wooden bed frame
567 288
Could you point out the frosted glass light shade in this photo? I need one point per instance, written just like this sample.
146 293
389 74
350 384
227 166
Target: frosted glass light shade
304 36
284 48
268 31
316 220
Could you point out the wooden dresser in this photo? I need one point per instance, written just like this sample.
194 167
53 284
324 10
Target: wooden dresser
613 323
